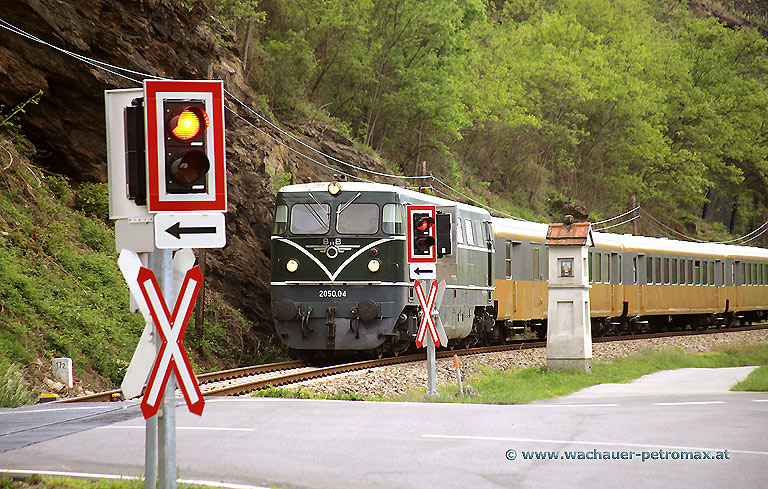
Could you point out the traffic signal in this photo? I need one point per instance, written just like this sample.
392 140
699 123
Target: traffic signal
185 146
423 234
186 159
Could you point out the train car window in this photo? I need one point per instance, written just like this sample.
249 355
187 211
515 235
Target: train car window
310 218
696 272
459 232
606 277
589 266
649 270
712 273
682 272
634 270
673 269
470 237
536 265
657 270
508 259
620 270
358 219
665 270
281 220
393 218
765 274
743 278
598 272
704 278
690 271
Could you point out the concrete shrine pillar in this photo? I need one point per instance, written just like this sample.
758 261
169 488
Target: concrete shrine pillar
569 331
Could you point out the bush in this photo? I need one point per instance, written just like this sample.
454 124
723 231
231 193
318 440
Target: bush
93 200
13 388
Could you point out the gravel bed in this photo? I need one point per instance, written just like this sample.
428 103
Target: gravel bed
397 379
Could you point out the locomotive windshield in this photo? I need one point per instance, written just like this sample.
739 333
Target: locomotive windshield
310 218
357 219
344 217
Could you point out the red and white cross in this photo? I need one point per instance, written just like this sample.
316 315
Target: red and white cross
427 321
171 357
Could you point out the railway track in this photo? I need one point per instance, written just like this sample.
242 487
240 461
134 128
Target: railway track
243 380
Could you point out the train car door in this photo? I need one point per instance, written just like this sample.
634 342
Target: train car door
617 290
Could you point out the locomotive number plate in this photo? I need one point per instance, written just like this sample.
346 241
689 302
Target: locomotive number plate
332 293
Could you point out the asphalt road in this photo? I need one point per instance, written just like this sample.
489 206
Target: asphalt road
628 435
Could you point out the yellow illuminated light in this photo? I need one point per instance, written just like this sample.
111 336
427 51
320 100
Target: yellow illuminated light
292 266
374 266
334 188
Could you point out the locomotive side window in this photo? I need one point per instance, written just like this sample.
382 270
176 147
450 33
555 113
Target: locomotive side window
281 220
393 219
459 233
358 219
470 237
310 218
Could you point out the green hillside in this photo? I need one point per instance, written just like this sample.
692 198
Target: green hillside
62 294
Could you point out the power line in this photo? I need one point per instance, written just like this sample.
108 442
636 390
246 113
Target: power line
434 178
616 217
616 225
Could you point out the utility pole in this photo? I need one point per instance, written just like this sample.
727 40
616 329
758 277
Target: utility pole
637 216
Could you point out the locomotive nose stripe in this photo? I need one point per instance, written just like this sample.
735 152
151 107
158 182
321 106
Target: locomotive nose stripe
332 276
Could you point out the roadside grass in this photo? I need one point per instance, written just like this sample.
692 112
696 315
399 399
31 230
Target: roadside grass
37 481
289 393
531 384
755 381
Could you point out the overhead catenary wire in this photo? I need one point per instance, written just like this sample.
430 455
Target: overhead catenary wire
616 217
616 225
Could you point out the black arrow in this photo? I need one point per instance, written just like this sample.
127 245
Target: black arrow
420 271
176 230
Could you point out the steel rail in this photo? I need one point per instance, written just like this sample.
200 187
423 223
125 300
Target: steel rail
317 372
202 379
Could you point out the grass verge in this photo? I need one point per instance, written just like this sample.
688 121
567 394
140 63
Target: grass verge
755 381
531 384
37 481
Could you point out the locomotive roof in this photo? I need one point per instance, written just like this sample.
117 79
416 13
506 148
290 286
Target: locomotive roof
404 193
536 231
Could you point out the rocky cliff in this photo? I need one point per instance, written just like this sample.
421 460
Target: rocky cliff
162 38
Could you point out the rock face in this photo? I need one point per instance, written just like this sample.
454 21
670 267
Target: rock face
162 38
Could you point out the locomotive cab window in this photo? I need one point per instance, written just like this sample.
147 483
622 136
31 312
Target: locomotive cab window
392 223
470 237
310 218
358 219
459 233
281 220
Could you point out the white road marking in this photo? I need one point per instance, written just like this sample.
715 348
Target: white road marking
577 405
577 442
688 403
87 475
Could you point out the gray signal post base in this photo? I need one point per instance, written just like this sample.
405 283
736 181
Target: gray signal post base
160 466
431 367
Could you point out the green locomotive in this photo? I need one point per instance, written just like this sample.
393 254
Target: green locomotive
341 277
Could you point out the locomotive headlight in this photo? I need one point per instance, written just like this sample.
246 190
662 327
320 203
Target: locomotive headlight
374 265
334 188
292 265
